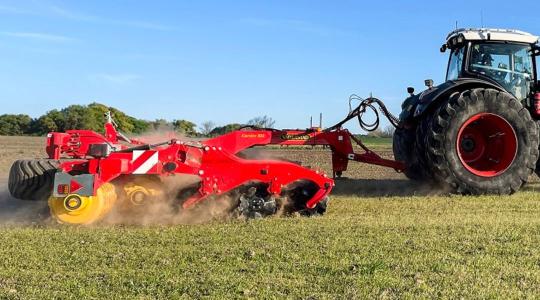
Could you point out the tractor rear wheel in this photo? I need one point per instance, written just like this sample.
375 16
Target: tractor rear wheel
538 168
32 179
404 148
538 161
482 141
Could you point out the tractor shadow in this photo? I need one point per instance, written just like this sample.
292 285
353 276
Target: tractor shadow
384 188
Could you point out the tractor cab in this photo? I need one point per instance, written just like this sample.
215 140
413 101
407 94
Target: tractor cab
506 58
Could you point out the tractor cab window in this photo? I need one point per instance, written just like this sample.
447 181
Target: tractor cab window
508 64
455 64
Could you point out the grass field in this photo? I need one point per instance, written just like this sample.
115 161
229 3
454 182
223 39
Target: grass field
382 237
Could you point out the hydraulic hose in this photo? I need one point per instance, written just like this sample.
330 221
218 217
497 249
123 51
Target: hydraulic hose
371 104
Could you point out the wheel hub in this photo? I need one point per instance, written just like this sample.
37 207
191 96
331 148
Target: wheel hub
487 145
72 202
467 144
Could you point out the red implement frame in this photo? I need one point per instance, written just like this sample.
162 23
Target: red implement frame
340 142
214 161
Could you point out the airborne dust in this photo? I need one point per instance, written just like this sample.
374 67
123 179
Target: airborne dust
13 211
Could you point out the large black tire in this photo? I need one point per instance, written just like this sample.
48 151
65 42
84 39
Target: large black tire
421 148
538 167
538 161
32 179
503 168
404 146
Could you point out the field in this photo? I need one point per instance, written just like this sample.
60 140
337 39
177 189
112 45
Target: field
383 237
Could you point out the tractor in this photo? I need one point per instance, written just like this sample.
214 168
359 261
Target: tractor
476 133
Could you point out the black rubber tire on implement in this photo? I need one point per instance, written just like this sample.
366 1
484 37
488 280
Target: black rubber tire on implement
404 146
442 138
32 179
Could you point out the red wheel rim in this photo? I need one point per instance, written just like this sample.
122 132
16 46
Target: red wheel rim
487 145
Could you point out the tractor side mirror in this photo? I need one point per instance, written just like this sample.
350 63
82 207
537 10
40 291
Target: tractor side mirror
536 50
410 90
429 83
443 48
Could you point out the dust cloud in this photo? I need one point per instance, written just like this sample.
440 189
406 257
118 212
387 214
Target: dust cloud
162 134
261 154
17 212
166 209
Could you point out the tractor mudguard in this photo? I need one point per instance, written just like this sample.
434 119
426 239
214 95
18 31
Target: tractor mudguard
414 107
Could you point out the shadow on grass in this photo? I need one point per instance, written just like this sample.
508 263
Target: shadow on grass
400 188
384 188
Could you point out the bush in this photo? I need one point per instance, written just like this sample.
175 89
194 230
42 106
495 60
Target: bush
15 124
89 117
225 129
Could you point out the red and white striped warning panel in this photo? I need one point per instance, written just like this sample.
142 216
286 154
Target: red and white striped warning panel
143 161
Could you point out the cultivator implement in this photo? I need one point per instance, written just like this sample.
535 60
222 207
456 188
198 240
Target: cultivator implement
83 185
89 174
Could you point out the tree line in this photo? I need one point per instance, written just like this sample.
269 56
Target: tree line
91 117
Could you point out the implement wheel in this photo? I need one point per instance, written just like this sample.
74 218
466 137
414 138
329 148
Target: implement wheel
83 210
482 141
32 179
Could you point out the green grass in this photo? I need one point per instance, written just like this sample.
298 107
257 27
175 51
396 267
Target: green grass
372 141
396 247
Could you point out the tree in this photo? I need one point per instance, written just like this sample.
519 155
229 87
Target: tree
51 121
79 117
161 124
375 133
388 131
91 117
207 127
43 125
262 122
185 127
139 126
14 124
225 129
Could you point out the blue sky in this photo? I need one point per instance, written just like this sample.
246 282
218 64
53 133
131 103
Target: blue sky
229 61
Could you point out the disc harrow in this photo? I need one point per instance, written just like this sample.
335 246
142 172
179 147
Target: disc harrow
97 173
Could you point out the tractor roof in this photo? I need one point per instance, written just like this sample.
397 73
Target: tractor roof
489 34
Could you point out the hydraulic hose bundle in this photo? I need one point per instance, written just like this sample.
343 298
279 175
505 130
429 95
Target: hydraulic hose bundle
371 104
